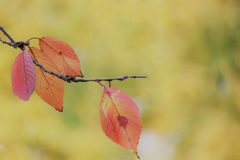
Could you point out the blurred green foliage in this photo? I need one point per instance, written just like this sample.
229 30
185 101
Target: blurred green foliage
190 103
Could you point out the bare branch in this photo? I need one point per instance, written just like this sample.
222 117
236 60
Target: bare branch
70 79
74 79
50 72
14 44
9 37
66 78
8 43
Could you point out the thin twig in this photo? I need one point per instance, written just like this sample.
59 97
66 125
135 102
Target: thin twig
14 44
66 78
9 37
50 72
74 79
70 79
8 43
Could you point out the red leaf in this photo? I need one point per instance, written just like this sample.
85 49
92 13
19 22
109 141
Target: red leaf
120 118
49 87
23 75
62 55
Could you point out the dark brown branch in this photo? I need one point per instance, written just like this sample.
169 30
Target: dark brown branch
8 43
50 72
70 79
74 79
9 37
14 44
67 78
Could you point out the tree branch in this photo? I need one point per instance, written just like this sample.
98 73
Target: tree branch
9 37
14 44
66 78
74 79
6 42
70 79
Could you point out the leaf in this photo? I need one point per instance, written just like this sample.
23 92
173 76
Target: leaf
120 118
49 87
62 55
23 75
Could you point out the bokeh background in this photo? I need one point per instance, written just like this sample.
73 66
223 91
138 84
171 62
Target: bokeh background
190 101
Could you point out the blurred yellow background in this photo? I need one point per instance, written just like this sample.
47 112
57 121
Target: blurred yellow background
190 101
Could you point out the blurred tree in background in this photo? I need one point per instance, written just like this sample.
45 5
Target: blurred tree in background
190 102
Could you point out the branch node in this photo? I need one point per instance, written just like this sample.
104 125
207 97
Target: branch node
126 76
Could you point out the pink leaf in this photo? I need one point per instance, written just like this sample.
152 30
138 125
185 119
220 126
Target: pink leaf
23 75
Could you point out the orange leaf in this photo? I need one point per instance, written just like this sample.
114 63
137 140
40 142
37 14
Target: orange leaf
23 75
49 87
62 55
120 118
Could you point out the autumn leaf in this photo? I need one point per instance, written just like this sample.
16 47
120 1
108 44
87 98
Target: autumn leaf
120 118
23 75
49 87
62 55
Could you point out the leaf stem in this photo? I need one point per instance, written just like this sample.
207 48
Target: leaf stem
32 38
100 83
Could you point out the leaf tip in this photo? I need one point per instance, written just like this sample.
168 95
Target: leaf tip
137 155
26 99
60 110
81 75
